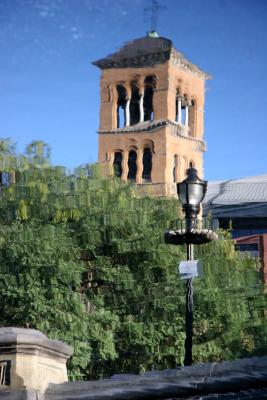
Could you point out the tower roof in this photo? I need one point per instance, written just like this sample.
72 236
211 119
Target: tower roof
136 53
146 51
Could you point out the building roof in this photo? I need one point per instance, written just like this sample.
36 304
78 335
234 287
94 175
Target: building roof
137 48
246 197
147 51
142 46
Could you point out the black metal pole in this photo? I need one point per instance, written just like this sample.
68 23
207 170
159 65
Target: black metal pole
189 312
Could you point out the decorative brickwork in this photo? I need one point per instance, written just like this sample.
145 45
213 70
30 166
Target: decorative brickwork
151 115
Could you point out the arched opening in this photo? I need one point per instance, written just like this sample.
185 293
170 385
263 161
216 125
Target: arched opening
147 165
150 84
121 104
117 164
132 166
182 109
134 105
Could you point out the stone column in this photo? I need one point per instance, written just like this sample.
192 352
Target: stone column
124 165
141 107
186 116
127 112
179 110
29 360
139 163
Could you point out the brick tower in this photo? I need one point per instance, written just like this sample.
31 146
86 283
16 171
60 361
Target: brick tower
151 115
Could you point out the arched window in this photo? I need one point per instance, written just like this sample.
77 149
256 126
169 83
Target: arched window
181 109
121 104
117 164
184 110
150 84
132 165
147 165
134 105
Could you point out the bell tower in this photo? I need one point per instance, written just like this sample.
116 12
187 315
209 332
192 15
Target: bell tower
151 115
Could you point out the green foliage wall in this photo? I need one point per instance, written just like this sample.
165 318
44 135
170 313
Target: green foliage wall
83 259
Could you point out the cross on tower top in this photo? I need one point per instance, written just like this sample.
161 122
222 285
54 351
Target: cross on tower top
154 9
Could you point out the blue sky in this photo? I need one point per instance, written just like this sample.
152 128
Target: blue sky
49 90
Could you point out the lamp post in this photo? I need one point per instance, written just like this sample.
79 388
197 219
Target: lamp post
191 193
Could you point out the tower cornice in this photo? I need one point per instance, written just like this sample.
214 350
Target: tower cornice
155 126
178 59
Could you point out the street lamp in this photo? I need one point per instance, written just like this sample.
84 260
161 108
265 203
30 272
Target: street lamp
191 193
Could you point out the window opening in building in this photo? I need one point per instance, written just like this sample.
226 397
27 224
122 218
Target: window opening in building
147 165
121 117
5 368
134 105
148 98
132 166
121 105
117 164
250 249
183 115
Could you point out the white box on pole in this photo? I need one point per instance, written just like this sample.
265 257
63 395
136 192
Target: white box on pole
190 269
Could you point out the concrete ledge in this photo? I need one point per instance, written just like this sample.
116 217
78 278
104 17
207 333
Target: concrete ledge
17 394
28 341
181 382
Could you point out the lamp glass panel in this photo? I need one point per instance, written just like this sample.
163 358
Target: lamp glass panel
182 192
195 194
